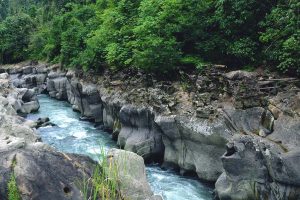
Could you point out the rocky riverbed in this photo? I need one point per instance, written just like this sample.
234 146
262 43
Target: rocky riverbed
238 129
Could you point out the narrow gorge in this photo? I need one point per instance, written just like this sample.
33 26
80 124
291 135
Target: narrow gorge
237 129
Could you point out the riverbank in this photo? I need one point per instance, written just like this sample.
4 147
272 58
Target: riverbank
237 128
31 169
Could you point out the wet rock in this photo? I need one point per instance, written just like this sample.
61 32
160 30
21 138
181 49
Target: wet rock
57 87
43 122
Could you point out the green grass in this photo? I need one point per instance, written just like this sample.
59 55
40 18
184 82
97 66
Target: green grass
12 187
13 192
104 182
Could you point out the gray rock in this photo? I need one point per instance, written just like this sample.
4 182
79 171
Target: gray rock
87 100
30 107
139 132
194 145
42 173
237 75
57 87
256 168
132 175
4 76
27 70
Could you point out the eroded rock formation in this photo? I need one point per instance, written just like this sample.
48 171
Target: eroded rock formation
238 128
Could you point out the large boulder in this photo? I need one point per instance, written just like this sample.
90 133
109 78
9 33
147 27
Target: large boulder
41 172
131 174
239 74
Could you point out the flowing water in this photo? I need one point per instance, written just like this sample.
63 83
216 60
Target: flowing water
74 136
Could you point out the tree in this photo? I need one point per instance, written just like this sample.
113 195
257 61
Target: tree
282 36
15 32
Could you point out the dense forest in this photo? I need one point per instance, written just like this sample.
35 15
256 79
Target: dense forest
153 35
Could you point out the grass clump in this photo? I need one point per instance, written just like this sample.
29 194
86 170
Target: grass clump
12 187
13 192
104 182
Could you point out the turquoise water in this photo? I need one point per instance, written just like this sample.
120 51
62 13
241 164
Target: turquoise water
74 136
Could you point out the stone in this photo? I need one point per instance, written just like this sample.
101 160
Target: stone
132 175
237 75
194 145
27 70
42 173
256 168
30 107
4 76
139 132
275 111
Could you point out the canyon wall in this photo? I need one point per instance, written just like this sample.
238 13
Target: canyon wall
235 128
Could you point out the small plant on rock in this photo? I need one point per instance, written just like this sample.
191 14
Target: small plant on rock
103 184
13 192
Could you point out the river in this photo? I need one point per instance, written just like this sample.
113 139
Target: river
74 136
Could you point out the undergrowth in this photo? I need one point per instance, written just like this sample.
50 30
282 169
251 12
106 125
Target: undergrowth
104 182
13 192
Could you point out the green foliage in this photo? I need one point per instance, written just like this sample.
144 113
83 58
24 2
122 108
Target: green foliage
15 33
248 68
153 35
282 35
13 192
194 61
104 182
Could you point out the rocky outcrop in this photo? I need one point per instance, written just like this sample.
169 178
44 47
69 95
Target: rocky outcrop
139 132
31 77
194 145
23 100
87 100
57 85
265 166
132 175
40 171
256 168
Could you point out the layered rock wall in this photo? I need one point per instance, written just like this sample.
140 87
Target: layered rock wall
234 128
